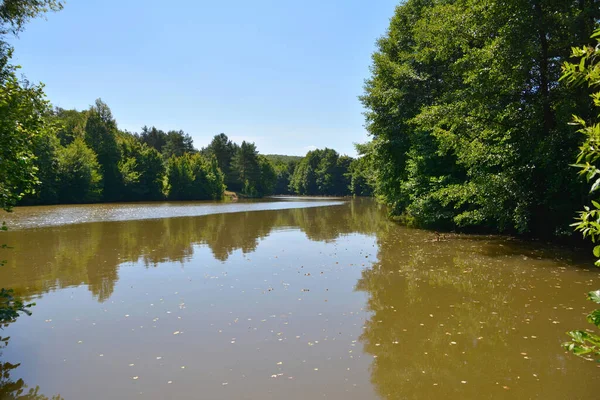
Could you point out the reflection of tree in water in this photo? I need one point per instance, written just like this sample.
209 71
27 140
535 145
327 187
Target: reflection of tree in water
446 312
90 254
16 390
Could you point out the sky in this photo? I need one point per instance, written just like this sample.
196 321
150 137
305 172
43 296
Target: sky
283 74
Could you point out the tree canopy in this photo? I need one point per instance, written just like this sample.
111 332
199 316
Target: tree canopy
469 125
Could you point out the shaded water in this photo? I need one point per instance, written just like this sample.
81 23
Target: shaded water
332 301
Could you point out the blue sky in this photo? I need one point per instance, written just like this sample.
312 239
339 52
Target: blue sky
283 74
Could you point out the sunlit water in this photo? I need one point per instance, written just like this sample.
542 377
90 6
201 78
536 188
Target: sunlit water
327 301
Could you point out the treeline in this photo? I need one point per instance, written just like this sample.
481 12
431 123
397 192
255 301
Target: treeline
83 157
469 121
322 172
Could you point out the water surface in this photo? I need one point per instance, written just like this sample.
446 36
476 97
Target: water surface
327 301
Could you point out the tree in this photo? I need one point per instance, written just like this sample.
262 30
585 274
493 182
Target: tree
153 137
267 179
587 71
321 172
71 124
224 150
45 150
245 164
171 143
361 173
469 124
23 111
284 172
142 170
177 144
79 176
193 177
100 136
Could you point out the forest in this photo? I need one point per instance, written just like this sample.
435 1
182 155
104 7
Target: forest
83 157
470 122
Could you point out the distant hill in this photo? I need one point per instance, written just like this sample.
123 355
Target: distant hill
279 158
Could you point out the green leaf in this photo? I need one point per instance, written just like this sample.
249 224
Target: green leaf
594 318
594 296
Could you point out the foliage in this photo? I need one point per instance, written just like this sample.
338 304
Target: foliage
585 343
193 177
361 172
71 124
79 174
153 137
276 159
224 150
177 143
321 172
171 143
45 149
267 177
142 170
134 166
15 13
245 163
22 119
101 137
587 71
469 123
284 172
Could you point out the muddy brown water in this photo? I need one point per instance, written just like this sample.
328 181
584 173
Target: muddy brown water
292 298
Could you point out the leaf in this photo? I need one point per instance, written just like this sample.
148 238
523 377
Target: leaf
594 296
595 185
594 318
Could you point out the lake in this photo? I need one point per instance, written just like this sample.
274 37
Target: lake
286 298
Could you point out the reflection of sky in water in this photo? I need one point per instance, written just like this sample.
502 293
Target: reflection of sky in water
323 302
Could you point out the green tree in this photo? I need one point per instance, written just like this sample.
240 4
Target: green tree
71 124
469 124
322 172
587 72
79 176
361 172
245 163
177 144
153 137
268 177
284 172
224 150
23 117
193 177
23 111
142 170
101 137
46 148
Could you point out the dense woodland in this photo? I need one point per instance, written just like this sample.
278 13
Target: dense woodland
83 157
469 120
